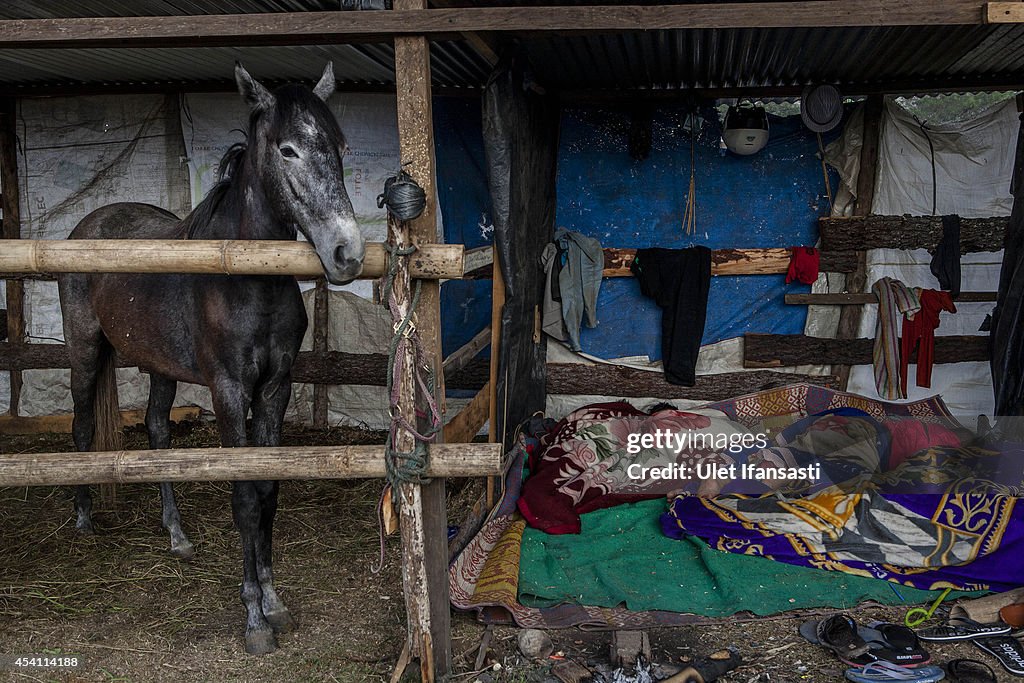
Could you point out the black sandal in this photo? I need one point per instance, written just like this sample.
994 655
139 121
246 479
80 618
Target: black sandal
1009 651
962 629
839 634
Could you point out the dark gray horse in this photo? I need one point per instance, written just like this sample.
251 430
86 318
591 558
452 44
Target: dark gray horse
238 335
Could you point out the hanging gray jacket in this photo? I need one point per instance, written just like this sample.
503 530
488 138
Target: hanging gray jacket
573 264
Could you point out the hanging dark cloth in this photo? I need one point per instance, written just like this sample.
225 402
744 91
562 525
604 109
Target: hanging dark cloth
1006 341
945 264
678 280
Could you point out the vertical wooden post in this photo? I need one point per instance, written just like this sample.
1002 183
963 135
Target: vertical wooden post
497 302
856 282
320 330
9 204
424 521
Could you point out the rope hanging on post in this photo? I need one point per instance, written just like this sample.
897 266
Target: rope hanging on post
406 467
403 197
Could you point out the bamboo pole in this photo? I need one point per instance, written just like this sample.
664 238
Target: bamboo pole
230 257
230 464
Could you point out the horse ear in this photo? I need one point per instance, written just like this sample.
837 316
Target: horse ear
257 96
326 85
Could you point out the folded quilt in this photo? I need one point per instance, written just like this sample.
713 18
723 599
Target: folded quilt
944 517
602 455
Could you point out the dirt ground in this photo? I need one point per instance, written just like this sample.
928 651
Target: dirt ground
133 613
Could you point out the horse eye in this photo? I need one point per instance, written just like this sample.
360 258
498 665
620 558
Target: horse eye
288 152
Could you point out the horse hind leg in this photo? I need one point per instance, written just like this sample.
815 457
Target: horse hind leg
158 425
94 393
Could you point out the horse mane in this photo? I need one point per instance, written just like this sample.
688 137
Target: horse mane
195 224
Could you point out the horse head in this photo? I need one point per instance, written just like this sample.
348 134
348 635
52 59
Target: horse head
297 147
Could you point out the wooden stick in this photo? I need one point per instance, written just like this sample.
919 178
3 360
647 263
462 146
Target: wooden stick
461 357
230 464
464 426
230 257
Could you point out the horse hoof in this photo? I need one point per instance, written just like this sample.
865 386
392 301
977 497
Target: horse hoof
85 528
281 620
183 551
260 642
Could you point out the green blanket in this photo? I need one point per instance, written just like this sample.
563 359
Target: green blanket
621 557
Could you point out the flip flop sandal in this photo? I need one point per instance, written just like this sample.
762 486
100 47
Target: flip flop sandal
839 634
887 672
962 629
970 671
895 643
1007 650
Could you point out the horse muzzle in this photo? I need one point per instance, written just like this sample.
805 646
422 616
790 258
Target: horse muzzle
345 263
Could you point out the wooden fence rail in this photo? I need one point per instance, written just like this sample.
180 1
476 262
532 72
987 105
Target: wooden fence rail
230 464
226 257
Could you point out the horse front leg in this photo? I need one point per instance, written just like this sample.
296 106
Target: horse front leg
231 403
269 404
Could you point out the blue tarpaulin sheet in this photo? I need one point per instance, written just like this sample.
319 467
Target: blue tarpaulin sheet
771 199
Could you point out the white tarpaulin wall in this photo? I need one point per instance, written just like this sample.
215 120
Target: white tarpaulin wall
82 153
76 155
973 166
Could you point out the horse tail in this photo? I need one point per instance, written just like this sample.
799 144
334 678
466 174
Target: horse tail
107 434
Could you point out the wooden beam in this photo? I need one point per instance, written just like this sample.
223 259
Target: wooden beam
780 350
617 380
461 357
477 258
768 261
874 107
61 424
1004 13
497 307
850 299
229 464
424 521
484 46
464 427
318 28
11 230
228 257
856 281
909 232
332 367
336 367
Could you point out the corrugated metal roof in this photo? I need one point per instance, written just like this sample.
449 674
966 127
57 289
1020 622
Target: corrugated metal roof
854 58
454 65
737 58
